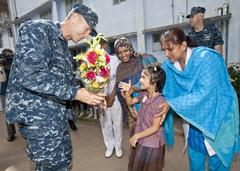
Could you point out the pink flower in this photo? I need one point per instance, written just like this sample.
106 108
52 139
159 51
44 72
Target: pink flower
90 75
92 57
104 72
107 58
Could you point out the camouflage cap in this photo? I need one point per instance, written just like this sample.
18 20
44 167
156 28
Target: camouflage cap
196 10
90 16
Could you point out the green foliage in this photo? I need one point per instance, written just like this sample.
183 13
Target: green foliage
234 72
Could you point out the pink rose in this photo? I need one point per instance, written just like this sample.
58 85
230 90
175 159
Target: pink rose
90 75
104 72
107 58
92 57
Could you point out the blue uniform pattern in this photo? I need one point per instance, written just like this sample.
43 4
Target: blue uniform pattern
40 83
208 37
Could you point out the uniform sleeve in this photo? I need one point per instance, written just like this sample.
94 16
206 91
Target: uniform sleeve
217 37
35 73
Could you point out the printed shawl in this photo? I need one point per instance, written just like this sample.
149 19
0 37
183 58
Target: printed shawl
203 96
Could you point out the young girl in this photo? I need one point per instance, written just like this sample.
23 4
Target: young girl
148 137
129 68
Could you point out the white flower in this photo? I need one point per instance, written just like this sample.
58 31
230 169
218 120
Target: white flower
100 79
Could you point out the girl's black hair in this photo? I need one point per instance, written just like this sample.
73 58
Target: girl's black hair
157 75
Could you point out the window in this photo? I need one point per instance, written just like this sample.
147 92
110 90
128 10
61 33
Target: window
1 42
10 32
69 4
115 2
47 14
156 42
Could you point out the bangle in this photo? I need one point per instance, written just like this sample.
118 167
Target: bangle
128 94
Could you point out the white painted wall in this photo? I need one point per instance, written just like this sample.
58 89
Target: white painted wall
25 6
122 18
6 40
115 19
234 32
61 9
210 5
158 13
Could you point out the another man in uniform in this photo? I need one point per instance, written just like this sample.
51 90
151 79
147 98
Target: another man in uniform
40 83
204 35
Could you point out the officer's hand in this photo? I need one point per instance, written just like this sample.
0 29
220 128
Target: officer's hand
92 99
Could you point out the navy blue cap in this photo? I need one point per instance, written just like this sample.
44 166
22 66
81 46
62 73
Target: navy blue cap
196 10
90 16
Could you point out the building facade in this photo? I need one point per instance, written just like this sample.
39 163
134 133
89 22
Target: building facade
6 36
142 21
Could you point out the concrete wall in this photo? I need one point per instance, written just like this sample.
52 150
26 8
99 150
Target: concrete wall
211 6
115 19
234 32
7 41
61 9
158 13
133 16
25 6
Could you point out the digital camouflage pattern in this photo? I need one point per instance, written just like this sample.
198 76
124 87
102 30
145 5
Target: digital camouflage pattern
208 37
40 83
196 10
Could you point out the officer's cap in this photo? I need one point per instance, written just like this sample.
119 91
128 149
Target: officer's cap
90 16
196 10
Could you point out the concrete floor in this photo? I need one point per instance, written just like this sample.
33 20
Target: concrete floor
88 152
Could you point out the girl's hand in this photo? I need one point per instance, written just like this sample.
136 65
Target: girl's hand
133 140
133 111
138 54
126 87
123 93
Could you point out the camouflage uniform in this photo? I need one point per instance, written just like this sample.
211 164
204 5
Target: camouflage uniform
208 37
40 83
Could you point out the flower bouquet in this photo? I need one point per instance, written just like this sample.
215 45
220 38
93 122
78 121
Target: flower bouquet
94 67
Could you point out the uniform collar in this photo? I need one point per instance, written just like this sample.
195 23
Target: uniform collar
60 33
